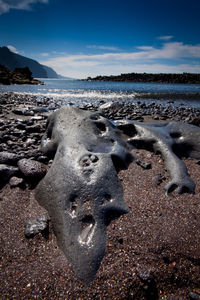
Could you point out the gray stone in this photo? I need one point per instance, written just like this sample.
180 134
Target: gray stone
16 182
8 158
32 169
145 275
35 226
144 165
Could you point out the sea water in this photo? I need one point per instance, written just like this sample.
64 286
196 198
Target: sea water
78 91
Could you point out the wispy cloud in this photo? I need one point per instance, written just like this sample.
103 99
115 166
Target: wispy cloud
12 48
109 48
165 37
7 5
44 54
144 59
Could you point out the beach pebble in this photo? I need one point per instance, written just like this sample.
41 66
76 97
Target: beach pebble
144 165
8 158
16 182
32 169
158 179
35 226
144 274
33 128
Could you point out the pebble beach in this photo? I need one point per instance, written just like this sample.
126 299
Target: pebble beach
153 252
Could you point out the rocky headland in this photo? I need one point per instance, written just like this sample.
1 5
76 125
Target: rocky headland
13 60
18 76
189 78
152 253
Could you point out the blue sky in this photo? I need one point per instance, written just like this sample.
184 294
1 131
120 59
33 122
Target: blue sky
81 38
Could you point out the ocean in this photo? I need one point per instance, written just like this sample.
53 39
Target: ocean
96 92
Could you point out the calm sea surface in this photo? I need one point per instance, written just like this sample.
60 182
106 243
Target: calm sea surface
77 91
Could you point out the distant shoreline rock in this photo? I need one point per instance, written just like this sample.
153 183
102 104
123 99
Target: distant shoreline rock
187 78
18 76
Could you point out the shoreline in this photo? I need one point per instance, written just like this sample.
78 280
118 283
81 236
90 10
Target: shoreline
153 251
185 78
26 105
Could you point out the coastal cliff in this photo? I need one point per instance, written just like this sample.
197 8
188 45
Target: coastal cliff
148 77
13 60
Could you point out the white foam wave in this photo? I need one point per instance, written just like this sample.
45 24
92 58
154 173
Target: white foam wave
82 95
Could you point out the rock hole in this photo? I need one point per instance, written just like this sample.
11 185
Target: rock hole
87 230
128 129
85 161
101 126
73 205
107 197
87 220
94 158
175 135
182 149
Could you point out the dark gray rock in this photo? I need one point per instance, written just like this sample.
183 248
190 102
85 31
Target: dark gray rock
144 165
33 128
31 169
145 275
158 179
172 140
81 190
8 158
35 226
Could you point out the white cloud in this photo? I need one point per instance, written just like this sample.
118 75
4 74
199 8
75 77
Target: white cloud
6 5
12 48
109 48
144 59
165 37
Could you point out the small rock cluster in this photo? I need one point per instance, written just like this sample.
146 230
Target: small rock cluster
18 76
139 110
21 161
18 171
